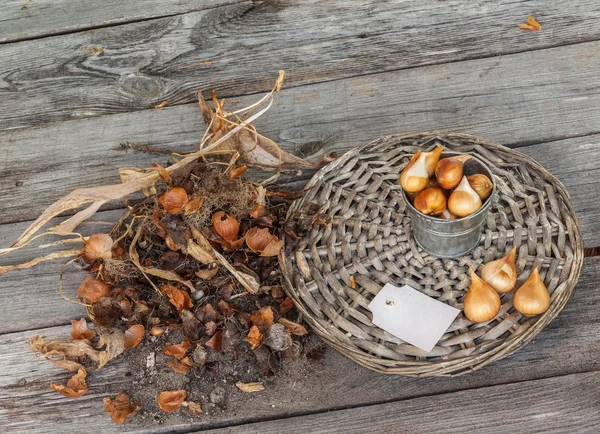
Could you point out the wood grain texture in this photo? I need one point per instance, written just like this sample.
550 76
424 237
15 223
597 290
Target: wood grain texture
35 19
554 405
145 63
509 104
568 345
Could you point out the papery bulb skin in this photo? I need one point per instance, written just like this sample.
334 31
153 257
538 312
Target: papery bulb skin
481 303
501 274
464 201
532 298
414 177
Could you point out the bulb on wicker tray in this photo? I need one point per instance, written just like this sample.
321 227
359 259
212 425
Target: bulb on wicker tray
449 171
430 201
464 201
501 274
414 176
481 184
532 298
482 302
431 160
447 215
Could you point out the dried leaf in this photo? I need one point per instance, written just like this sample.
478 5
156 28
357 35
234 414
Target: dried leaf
279 338
285 306
91 290
258 211
295 328
178 298
134 335
207 313
273 248
226 308
194 408
35 261
250 387
171 400
238 171
120 408
80 330
75 387
207 274
255 338
106 312
533 22
216 341
263 318
203 255
181 367
177 350
248 281
67 355
193 206
162 104
163 173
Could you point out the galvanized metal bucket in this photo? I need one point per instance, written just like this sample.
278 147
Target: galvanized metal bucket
451 238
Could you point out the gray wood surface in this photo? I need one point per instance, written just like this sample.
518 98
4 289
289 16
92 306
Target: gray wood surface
305 120
34 19
569 404
144 63
567 346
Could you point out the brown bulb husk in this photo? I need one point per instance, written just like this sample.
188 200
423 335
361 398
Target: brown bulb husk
226 226
97 246
464 201
430 201
414 177
482 303
258 239
532 298
91 290
449 171
431 160
501 274
173 201
481 184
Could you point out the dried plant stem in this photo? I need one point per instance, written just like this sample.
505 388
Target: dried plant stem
55 255
60 285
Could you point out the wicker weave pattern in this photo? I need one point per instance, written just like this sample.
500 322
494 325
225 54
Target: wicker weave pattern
335 271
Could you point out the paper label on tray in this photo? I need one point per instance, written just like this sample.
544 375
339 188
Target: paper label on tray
411 315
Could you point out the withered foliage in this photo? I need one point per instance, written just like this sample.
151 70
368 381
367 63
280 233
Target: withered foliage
197 255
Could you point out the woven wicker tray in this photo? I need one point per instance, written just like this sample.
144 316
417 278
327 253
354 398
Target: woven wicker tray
335 270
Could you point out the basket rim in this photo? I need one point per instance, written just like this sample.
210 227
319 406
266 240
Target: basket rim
467 363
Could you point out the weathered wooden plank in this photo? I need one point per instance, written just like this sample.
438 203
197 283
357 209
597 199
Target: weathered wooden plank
568 345
31 19
513 105
553 405
53 79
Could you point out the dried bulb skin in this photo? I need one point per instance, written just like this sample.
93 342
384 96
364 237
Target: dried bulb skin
464 201
258 239
414 177
226 226
173 200
501 274
431 160
430 201
481 184
449 171
532 298
98 246
482 302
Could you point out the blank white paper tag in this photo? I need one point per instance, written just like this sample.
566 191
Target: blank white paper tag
411 315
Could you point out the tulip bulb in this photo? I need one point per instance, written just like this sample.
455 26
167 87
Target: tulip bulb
97 246
532 298
430 201
501 274
482 302
481 184
414 177
464 201
226 226
449 171
431 160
